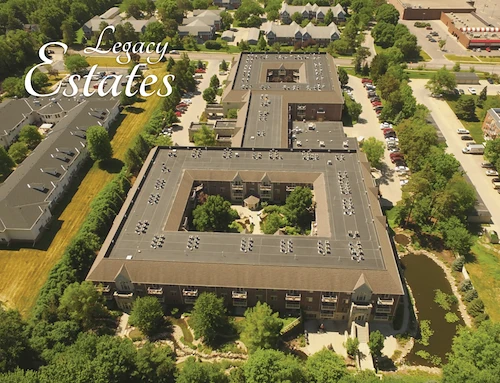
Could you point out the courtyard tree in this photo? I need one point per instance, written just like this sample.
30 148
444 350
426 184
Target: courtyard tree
273 366
325 366
492 151
75 63
442 80
18 151
30 135
208 318
214 82
216 214
353 109
272 223
376 343
466 109
6 162
147 315
209 95
155 364
298 206
98 143
82 303
352 346
205 137
474 355
261 327
343 76
441 44
374 150
328 17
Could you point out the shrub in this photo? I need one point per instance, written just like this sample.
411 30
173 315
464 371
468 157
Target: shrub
470 295
475 307
466 285
451 317
458 263
212 44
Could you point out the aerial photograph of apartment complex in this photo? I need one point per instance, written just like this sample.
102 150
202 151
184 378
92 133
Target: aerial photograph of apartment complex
243 191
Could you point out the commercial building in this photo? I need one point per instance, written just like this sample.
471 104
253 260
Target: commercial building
472 31
29 195
430 9
345 269
491 124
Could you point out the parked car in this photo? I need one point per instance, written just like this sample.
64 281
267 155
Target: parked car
375 98
387 130
403 182
399 163
432 40
437 95
385 125
466 138
490 80
487 165
371 93
365 80
456 91
472 91
462 131
395 154
434 33
491 172
178 114
394 159
376 103
461 91
174 52
200 70
496 182
428 28
378 107
370 86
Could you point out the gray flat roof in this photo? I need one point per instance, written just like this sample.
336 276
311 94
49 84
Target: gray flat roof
224 249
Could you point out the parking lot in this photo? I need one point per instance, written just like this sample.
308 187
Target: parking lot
448 123
369 126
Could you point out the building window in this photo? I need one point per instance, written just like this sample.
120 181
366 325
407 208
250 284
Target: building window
259 297
346 301
274 297
173 292
308 307
310 299
223 295
222 189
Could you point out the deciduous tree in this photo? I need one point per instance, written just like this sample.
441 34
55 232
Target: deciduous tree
343 76
13 340
147 315
374 150
273 366
209 95
205 137
209 318
98 143
297 206
18 151
6 162
30 135
442 80
465 109
215 214
376 343
198 372
75 63
261 327
325 367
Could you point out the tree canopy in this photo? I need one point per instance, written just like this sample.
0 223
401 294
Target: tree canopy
98 143
273 366
215 214
6 162
374 150
205 137
18 151
376 343
297 206
13 340
147 315
30 135
325 366
197 372
261 327
75 63
442 80
208 317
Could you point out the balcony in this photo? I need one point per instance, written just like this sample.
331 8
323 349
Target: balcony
190 300
329 298
266 187
293 297
292 305
383 310
327 314
190 292
240 302
290 188
385 302
123 295
155 291
239 295
236 187
329 307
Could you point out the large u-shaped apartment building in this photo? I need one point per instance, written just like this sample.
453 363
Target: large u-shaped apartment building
288 134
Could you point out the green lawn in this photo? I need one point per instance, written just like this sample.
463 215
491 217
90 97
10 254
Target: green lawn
230 49
485 275
475 126
489 59
466 59
425 74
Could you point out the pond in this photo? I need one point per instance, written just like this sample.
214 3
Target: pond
424 277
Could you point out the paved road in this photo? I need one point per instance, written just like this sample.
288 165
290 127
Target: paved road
369 126
181 136
448 124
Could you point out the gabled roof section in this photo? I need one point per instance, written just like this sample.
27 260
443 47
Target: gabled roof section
123 274
362 282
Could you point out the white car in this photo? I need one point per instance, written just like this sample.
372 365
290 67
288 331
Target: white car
403 182
462 131
402 169
491 172
385 125
392 139
472 91
187 101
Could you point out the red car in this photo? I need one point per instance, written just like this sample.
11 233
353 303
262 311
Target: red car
387 130
366 80
395 155
178 114
200 70
397 158
375 103
182 105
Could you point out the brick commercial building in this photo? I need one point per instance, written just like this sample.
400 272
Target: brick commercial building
430 9
471 30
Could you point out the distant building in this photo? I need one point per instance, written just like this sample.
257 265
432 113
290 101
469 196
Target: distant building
228 36
310 12
113 17
210 17
471 30
294 33
491 124
430 9
227 4
29 195
253 36
466 78
198 29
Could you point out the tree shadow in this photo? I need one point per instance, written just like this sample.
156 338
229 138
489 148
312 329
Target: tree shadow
113 165
384 363
387 174
134 110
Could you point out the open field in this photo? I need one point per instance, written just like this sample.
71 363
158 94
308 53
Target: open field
484 272
23 271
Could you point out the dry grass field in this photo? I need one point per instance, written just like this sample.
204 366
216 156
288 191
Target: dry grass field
23 270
